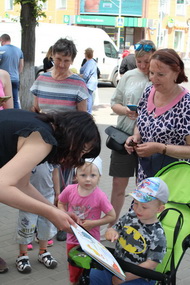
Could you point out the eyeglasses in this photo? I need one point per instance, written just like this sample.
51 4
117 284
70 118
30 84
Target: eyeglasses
144 47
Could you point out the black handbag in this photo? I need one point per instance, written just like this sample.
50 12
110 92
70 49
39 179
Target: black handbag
116 139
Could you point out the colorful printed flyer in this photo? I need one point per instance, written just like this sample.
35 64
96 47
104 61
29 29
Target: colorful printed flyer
98 251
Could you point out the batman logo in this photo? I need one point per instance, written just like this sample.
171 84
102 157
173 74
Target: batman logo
132 241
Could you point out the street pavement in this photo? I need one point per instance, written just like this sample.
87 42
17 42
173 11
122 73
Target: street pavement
59 276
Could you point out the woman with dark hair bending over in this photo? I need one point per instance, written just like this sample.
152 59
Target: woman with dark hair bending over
28 139
162 133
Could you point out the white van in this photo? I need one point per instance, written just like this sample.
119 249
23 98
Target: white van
105 51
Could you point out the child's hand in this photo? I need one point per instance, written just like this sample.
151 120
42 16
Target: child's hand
87 224
111 234
116 280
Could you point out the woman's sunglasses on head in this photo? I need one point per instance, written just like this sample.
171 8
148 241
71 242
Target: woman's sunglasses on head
146 47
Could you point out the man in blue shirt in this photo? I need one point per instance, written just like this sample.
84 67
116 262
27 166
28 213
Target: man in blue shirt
11 60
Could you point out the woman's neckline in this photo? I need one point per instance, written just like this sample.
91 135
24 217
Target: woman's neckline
61 76
161 110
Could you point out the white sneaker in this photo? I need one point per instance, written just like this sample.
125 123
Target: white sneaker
23 264
47 259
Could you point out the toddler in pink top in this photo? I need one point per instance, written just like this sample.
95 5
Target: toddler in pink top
88 202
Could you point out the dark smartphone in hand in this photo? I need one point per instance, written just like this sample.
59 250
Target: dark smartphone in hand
132 107
132 143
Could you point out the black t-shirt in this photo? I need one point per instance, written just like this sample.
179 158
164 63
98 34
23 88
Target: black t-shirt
17 123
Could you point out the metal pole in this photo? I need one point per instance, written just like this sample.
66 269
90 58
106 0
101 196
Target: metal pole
160 24
119 29
188 40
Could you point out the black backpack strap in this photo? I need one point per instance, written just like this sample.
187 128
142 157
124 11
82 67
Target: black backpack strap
177 229
141 271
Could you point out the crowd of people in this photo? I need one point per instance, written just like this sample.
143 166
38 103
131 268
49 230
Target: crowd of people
59 139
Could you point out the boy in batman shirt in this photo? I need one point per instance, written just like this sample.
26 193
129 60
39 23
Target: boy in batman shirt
140 236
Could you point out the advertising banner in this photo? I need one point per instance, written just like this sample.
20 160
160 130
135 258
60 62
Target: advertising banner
111 7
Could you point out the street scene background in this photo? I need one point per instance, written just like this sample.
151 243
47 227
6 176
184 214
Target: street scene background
40 275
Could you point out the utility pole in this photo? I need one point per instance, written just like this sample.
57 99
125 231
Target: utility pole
188 40
160 23
119 28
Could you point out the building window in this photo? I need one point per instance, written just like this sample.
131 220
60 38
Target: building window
165 7
180 7
163 38
9 4
61 4
178 41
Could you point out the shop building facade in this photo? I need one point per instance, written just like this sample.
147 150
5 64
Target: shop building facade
165 22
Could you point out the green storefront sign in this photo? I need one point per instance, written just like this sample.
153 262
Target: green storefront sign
95 20
104 21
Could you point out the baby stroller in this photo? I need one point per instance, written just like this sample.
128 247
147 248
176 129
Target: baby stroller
175 220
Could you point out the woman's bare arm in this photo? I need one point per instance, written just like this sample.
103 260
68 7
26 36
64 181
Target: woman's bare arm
176 151
82 106
15 189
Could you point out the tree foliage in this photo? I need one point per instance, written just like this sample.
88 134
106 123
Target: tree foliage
31 11
36 7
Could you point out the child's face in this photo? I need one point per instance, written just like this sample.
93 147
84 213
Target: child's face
88 176
147 212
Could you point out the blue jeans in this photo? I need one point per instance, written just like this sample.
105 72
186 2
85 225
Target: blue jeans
90 101
15 88
104 277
